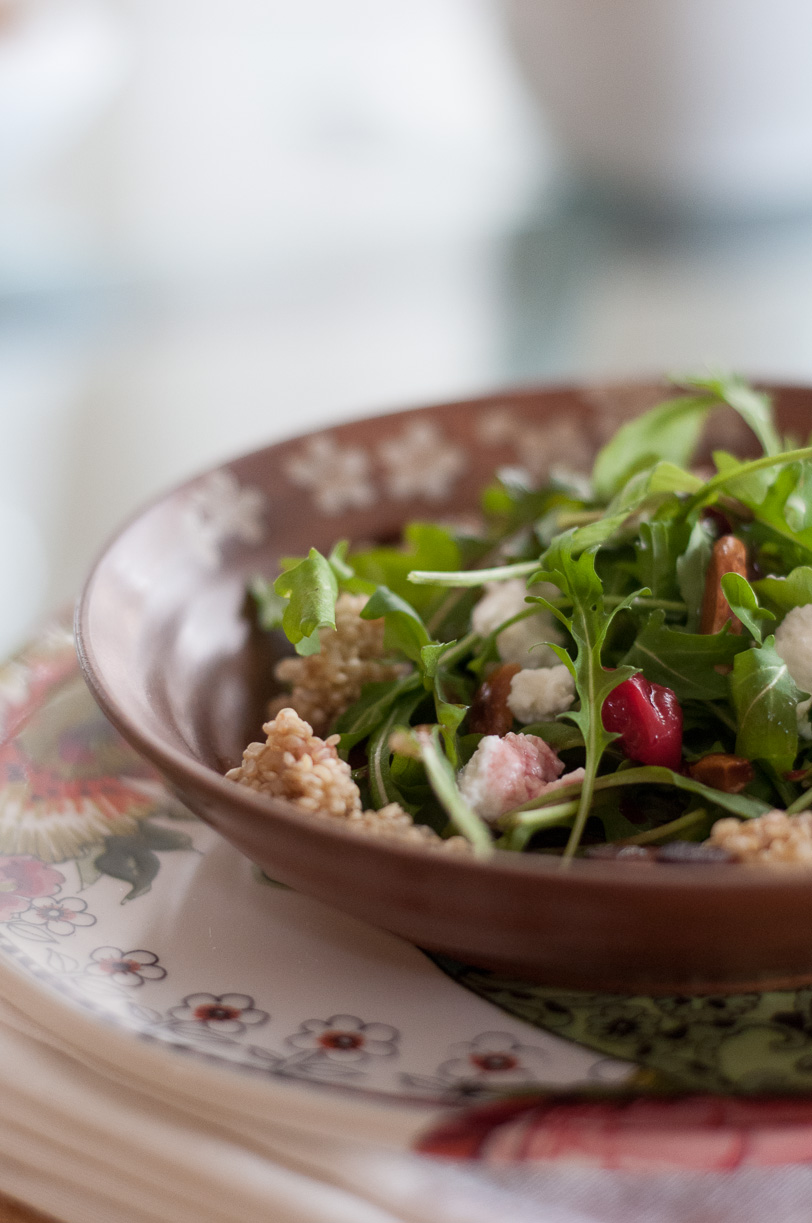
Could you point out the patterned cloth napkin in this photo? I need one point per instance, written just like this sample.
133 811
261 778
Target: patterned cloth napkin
742 1044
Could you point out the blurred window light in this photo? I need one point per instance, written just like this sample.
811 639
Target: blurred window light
265 131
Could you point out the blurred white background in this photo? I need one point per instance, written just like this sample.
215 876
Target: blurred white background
225 221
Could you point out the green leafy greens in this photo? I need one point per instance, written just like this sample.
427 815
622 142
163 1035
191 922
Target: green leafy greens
627 555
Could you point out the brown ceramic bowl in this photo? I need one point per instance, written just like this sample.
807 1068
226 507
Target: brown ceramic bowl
172 660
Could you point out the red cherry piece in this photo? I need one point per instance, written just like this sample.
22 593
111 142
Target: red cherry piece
648 719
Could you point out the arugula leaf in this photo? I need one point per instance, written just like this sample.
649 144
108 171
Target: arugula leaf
270 606
743 603
754 407
798 505
765 699
382 788
691 569
450 716
443 780
588 624
795 590
784 508
557 735
734 474
646 492
311 588
749 489
659 545
430 656
347 578
743 805
426 546
447 688
511 503
669 431
683 661
404 631
652 483
373 705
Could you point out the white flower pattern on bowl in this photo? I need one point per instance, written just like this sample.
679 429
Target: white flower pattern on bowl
220 509
339 478
421 463
538 448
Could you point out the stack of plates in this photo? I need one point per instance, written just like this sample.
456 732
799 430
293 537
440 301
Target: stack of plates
183 1039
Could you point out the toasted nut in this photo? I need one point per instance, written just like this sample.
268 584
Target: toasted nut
729 555
723 772
490 713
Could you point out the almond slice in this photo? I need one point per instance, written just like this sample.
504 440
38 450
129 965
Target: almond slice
729 555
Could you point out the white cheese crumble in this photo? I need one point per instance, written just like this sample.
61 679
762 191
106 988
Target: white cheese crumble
793 643
505 772
541 694
502 600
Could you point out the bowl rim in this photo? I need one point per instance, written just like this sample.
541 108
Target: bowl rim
173 763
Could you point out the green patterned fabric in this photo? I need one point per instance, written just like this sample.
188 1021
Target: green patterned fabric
736 1043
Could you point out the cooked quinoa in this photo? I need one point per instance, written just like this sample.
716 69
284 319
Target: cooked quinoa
298 766
772 838
323 685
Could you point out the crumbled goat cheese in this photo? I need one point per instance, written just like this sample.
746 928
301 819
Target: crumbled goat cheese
772 838
502 600
505 772
541 694
793 642
299 767
325 684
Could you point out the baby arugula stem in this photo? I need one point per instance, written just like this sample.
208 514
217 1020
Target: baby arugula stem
802 803
516 837
472 577
593 741
746 469
458 649
537 808
451 600
685 823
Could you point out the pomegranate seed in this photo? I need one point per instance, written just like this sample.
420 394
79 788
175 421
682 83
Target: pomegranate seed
648 718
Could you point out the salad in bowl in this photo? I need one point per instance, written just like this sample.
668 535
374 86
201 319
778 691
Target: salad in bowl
614 666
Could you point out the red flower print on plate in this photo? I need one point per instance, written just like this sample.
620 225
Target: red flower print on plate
697 1133
345 1038
494 1058
23 879
229 1014
127 968
60 917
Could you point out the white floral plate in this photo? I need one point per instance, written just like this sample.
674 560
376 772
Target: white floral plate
117 899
